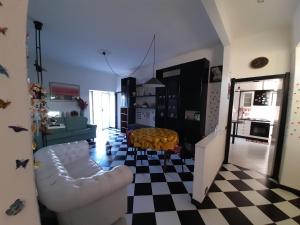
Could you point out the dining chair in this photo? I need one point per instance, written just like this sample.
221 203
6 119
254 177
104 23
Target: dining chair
177 150
143 152
130 144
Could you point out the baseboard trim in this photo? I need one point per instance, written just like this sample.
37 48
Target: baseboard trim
293 190
196 203
251 138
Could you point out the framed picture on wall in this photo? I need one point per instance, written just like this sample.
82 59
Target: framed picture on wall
63 91
216 74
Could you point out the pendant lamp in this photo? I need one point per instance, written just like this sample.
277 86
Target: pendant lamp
153 82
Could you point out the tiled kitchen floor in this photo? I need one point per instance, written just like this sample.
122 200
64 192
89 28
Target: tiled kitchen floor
238 196
251 155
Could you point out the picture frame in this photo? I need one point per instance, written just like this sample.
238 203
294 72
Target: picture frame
63 91
216 74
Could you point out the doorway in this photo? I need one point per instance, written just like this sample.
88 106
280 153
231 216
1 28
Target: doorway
256 123
102 109
120 103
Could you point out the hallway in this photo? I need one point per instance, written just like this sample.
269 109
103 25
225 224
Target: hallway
251 155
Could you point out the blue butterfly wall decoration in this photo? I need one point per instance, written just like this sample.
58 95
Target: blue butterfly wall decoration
3 71
21 163
18 129
15 208
3 30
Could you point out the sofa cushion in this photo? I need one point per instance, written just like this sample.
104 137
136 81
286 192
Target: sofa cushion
70 152
83 167
58 135
70 133
56 130
76 122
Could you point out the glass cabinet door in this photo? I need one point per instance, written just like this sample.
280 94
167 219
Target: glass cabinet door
248 99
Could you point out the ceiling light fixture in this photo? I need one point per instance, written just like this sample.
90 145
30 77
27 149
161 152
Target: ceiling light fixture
105 53
260 1
153 82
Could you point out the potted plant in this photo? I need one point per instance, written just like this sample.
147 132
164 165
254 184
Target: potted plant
81 104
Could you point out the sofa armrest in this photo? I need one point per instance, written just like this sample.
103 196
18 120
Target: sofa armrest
93 129
71 152
100 185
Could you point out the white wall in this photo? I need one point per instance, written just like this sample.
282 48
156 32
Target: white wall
273 44
15 183
208 160
66 73
290 164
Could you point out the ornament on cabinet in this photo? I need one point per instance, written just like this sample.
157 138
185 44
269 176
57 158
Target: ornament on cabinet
259 62
15 208
3 71
36 164
21 163
3 30
18 129
4 104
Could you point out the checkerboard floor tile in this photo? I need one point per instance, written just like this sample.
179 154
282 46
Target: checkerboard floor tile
237 196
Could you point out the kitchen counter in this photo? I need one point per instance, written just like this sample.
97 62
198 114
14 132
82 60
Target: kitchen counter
253 119
244 128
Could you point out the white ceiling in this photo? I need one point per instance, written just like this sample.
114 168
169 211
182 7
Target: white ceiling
246 17
74 30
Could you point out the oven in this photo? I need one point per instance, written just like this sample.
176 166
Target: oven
260 129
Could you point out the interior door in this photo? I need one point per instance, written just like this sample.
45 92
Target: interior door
278 126
276 101
105 106
96 109
118 108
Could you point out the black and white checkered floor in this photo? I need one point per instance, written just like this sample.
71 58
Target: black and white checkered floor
238 196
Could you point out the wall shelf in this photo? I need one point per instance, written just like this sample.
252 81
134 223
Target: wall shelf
145 107
143 96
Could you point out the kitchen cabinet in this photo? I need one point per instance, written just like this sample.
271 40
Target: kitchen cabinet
262 98
128 91
243 128
250 86
247 99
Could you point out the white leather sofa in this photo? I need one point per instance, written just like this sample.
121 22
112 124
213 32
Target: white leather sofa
77 189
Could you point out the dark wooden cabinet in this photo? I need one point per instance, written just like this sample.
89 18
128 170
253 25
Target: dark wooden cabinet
262 98
128 92
181 105
124 119
127 117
